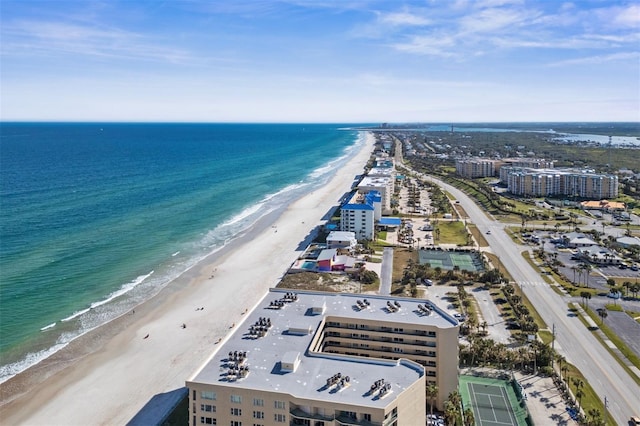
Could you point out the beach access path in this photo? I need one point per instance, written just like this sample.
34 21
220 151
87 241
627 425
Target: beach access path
147 354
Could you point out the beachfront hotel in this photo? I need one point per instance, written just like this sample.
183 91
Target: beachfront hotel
360 214
320 359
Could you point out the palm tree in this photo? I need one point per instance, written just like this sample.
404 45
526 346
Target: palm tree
560 359
574 269
579 395
565 370
469 419
579 384
585 297
455 401
450 413
587 268
635 288
603 314
432 391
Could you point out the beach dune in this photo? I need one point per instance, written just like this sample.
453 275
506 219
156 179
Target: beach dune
130 370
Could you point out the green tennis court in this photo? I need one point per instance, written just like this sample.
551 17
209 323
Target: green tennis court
493 401
447 260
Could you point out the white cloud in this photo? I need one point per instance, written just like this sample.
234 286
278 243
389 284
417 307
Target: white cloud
403 19
599 59
50 38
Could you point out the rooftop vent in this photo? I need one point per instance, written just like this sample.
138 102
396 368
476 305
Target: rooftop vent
260 328
236 366
362 304
320 308
380 388
299 331
290 361
424 310
339 381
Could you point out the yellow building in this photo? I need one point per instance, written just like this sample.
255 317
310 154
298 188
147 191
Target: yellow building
320 359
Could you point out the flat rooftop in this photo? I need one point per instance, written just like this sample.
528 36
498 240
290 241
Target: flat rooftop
286 343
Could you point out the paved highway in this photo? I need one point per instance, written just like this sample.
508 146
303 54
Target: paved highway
573 340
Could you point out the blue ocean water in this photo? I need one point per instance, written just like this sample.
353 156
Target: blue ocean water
97 217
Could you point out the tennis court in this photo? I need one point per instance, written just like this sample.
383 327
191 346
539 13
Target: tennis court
492 401
447 260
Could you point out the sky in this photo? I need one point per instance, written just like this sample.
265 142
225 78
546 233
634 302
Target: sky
339 61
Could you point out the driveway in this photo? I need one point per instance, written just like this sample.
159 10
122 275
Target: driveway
496 326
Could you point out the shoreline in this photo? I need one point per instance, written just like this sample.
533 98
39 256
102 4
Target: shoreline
110 361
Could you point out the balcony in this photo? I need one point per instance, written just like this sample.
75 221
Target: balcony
298 417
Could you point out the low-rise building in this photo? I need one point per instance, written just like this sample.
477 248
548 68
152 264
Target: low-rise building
341 239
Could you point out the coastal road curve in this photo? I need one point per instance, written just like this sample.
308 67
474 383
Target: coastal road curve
577 344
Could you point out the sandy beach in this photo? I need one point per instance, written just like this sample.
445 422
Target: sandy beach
118 373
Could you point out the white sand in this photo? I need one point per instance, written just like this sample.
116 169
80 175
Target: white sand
124 371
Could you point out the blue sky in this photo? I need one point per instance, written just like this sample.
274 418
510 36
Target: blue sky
320 60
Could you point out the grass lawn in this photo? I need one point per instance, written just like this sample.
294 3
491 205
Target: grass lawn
452 233
495 261
401 257
590 399
482 242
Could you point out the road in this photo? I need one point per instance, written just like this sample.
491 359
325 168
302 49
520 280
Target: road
573 340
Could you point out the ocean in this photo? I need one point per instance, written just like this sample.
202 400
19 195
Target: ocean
96 218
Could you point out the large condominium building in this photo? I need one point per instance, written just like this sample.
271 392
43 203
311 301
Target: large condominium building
360 214
323 359
532 163
476 167
569 182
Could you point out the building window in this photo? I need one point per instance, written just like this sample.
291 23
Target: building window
235 423
279 405
208 421
236 399
367 417
258 414
208 408
208 395
280 418
258 402
236 411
